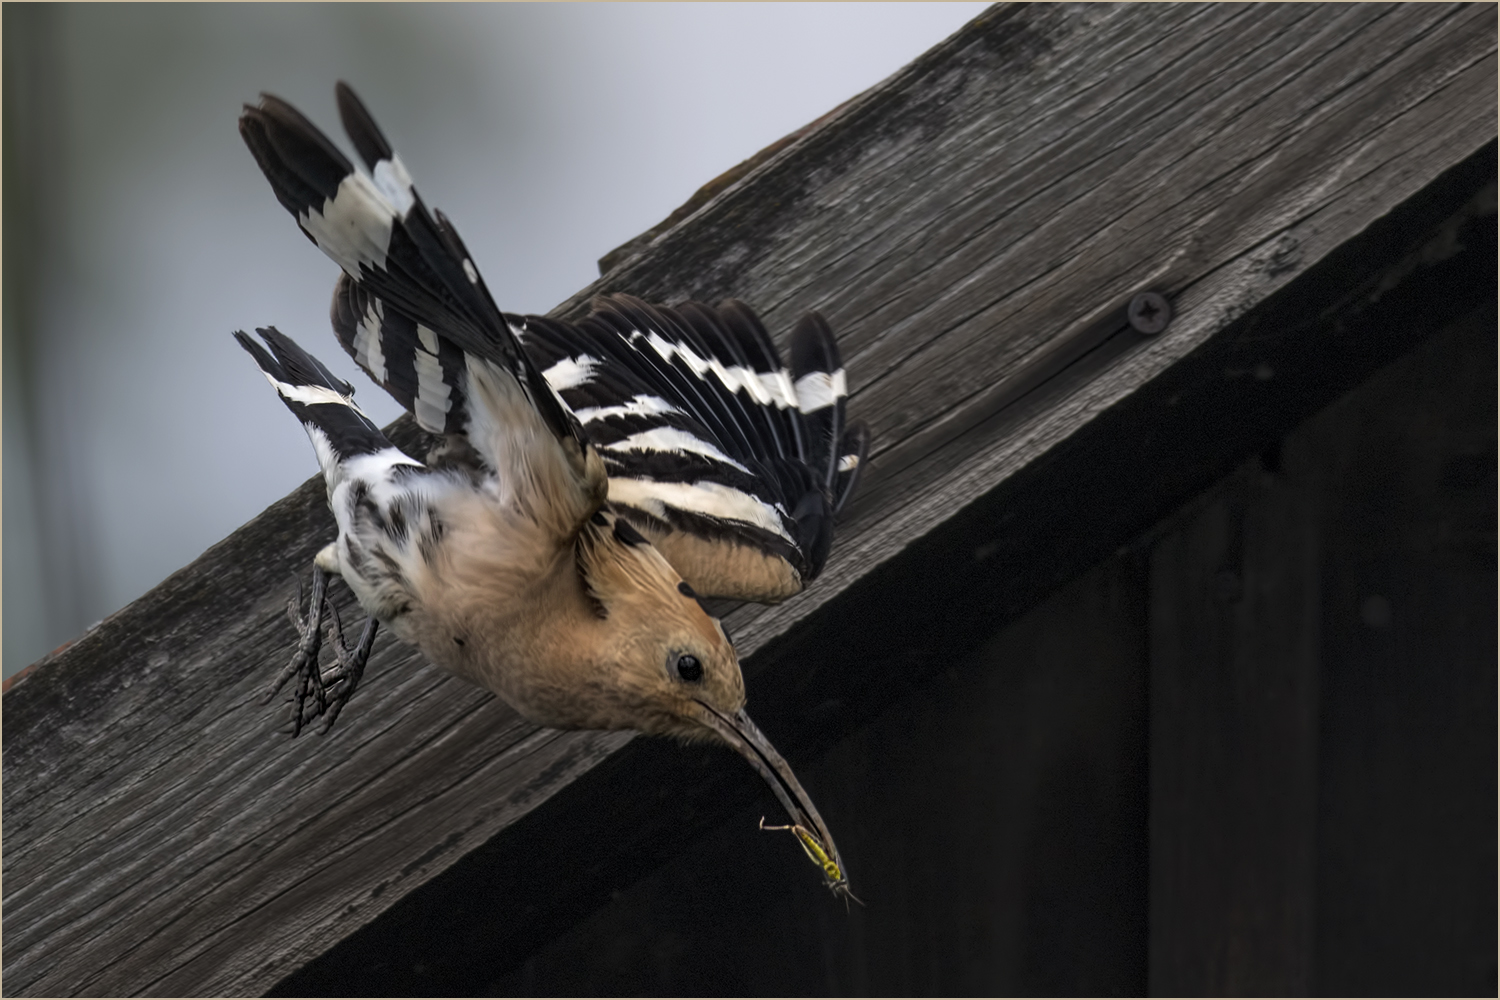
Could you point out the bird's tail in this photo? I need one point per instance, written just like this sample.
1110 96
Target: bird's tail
324 403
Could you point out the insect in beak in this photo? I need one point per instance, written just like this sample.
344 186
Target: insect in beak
739 732
838 884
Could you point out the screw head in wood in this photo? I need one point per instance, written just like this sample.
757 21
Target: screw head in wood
1149 312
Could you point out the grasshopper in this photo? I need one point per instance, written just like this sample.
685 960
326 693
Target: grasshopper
838 883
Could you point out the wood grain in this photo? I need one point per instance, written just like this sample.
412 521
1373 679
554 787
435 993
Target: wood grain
967 224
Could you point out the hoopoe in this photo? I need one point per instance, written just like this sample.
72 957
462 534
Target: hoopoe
592 481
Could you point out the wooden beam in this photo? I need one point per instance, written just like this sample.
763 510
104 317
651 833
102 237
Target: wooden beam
973 227
1322 677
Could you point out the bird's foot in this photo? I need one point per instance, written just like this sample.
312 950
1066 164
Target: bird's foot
304 662
321 691
337 684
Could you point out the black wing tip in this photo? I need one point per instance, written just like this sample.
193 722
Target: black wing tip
755 341
856 441
814 518
302 164
855 444
278 119
369 141
814 347
738 310
618 303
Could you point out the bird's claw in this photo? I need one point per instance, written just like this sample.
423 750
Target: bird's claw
320 690
338 683
309 635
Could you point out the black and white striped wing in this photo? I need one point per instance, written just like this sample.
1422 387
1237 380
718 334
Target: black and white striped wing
731 463
411 306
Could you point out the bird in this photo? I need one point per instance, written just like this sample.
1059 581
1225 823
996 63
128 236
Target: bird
589 486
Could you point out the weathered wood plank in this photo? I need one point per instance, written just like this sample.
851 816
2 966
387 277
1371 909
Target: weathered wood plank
1406 835
987 208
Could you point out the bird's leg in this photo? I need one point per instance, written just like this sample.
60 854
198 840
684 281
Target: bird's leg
304 662
341 680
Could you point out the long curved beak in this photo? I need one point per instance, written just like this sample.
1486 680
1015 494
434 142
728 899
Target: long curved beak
739 732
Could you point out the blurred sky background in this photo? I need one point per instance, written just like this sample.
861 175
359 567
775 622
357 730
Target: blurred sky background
138 231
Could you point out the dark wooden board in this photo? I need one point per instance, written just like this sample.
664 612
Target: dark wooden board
969 226
1406 866
1323 774
1235 650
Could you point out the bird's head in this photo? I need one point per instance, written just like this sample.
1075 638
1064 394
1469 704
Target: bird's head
667 660
675 672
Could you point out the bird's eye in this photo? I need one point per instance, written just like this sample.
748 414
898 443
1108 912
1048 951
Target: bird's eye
688 668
